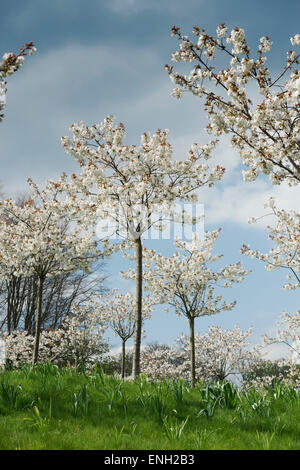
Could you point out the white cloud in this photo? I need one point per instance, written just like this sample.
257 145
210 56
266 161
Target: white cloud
123 285
232 199
237 200
276 352
126 7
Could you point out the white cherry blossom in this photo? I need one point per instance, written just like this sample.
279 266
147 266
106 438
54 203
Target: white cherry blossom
265 131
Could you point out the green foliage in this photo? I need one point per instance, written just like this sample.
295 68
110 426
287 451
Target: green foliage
36 420
9 393
173 426
179 388
80 400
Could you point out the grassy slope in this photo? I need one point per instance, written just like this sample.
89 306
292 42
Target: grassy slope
51 409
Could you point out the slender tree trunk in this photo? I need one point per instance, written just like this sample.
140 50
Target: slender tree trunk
138 319
9 309
123 358
38 320
192 350
31 304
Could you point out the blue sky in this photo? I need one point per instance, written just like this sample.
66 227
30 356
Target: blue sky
97 58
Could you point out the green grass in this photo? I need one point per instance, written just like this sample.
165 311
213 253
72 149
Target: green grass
48 408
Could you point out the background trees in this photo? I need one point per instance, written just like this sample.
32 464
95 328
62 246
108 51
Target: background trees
18 298
37 242
18 294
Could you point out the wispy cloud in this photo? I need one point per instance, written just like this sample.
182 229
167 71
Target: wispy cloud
126 7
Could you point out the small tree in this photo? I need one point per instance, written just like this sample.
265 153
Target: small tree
119 313
185 282
285 235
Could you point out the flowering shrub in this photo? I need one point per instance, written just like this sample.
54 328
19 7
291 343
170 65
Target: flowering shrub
119 312
221 353
218 354
265 373
164 363
74 343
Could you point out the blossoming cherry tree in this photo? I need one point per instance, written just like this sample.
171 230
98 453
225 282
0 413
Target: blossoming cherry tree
130 184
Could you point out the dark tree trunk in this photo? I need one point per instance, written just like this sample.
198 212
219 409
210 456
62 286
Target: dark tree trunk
123 358
192 350
38 320
138 320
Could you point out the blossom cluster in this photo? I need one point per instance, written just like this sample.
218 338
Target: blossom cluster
285 235
125 184
266 132
9 64
36 238
78 340
288 333
119 312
